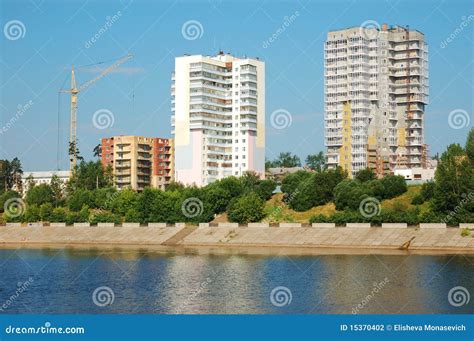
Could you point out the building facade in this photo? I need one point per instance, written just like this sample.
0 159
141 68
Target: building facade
138 162
218 120
43 177
376 90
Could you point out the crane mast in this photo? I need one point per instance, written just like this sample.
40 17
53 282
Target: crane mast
74 91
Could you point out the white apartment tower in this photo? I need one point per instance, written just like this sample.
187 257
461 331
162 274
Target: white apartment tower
376 89
218 120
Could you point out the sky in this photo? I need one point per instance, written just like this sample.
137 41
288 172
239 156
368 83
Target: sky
41 39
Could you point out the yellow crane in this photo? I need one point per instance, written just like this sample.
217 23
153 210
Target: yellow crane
74 91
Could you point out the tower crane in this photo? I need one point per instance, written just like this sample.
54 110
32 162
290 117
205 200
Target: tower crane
74 91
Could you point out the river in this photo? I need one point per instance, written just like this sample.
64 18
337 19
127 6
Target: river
123 281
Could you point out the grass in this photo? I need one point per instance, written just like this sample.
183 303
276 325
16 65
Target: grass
404 200
277 211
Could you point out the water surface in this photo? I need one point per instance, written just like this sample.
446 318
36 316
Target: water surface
64 280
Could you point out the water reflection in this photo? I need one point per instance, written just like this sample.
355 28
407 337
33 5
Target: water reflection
168 282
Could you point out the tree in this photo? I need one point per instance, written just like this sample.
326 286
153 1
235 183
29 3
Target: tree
291 181
98 151
366 174
249 181
454 180
316 162
394 185
16 174
470 145
5 175
10 175
57 188
316 190
74 151
39 195
248 208
287 160
89 175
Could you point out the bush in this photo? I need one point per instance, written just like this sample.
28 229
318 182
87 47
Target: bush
217 197
79 198
46 211
7 196
348 194
394 185
248 208
427 190
58 215
123 201
316 190
320 218
32 214
265 189
40 194
292 181
78 217
417 200
365 175
99 216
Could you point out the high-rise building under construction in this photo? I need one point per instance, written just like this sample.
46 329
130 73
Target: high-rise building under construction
376 90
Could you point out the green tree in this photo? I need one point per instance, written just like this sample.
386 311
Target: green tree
39 195
98 151
470 145
7 196
248 208
288 160
265 189
454 180
57 186
89 175
79 198
316 162
394 185
366 174
292 181
16 174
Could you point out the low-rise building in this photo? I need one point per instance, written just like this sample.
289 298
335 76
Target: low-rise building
138 162
43 177
416 175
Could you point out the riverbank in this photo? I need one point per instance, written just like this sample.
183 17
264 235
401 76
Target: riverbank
248 240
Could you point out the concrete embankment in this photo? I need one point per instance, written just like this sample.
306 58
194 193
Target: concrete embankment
229 236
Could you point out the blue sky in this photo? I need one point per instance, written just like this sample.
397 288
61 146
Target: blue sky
54 34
